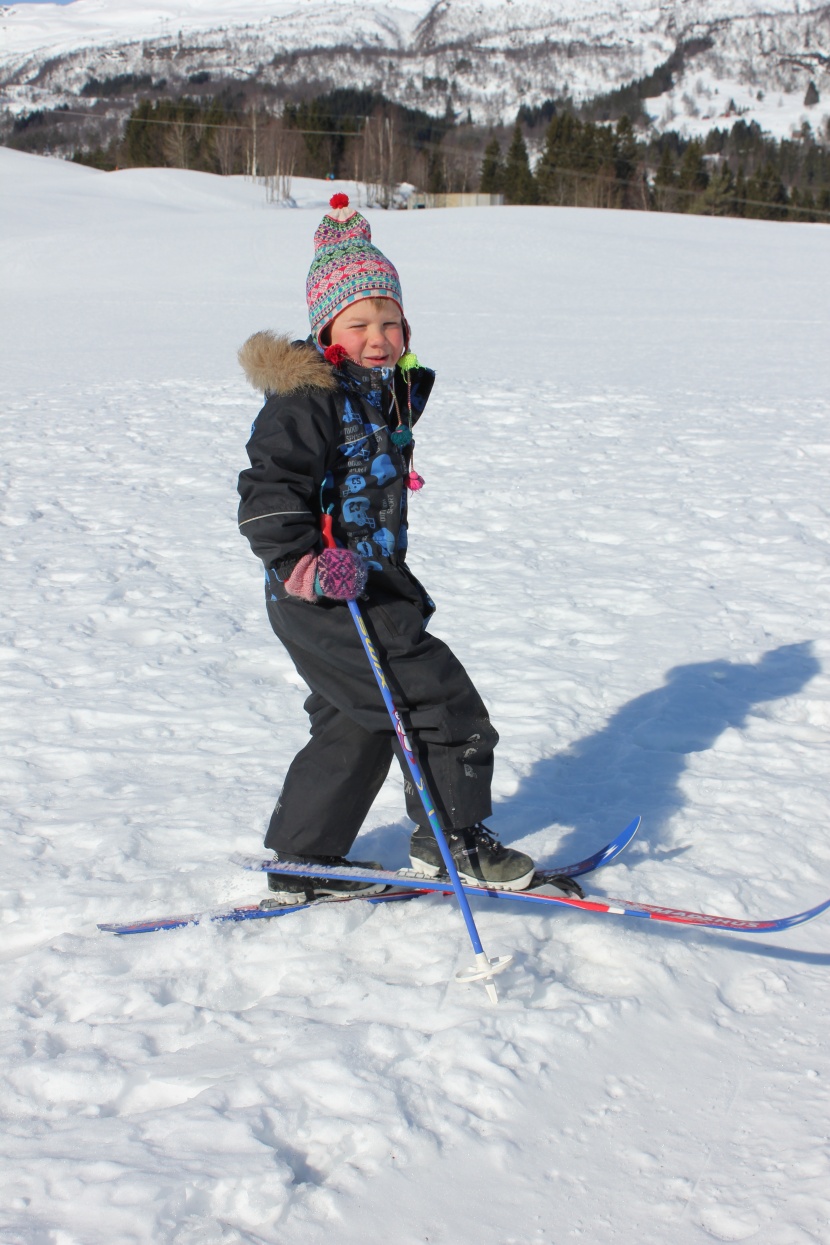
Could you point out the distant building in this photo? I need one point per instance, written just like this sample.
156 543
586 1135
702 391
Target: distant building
419 200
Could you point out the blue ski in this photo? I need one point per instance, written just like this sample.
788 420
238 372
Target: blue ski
257 912
603 857
246 912
541 893
417 881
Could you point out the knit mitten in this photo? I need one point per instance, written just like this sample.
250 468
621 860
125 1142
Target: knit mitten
341 574
300 582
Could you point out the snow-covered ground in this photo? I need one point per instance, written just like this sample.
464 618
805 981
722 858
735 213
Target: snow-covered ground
626 528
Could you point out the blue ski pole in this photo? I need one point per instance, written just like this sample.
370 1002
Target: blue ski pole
485 968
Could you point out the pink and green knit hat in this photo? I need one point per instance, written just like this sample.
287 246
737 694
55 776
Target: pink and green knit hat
346 266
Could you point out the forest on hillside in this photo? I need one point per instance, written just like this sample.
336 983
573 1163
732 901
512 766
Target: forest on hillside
557 153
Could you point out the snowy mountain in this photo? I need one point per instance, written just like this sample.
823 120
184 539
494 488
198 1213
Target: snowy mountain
482 56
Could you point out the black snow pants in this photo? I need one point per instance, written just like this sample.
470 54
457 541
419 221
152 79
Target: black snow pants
332 783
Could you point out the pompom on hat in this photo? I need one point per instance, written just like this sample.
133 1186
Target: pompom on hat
347 266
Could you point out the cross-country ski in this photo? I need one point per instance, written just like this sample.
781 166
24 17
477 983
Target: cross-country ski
411 888
407 885
544 893
252 912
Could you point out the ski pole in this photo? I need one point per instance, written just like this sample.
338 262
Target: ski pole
484 968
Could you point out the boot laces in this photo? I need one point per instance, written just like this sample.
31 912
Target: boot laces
482 838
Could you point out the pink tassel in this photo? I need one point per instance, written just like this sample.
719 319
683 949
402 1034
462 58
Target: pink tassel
414 481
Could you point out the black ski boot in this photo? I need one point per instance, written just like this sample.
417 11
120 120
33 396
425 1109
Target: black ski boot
292 888
478 856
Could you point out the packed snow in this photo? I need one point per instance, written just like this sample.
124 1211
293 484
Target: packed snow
625 526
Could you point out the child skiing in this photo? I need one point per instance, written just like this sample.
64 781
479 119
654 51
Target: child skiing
333 444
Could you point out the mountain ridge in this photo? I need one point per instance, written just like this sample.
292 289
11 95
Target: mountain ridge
474 57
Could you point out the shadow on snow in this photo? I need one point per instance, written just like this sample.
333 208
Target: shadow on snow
633 765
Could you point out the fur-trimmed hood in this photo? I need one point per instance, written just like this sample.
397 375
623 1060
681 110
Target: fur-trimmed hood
273 363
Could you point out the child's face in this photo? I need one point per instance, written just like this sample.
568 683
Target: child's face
371 332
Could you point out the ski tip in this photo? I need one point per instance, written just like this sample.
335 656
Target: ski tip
773 926
787 922
631 829
602 857
150 927
623 838
245 860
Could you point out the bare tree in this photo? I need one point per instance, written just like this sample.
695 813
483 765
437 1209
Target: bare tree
176 145
381 157
279 150
226 144
252 155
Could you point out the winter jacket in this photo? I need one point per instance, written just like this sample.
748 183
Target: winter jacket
322 445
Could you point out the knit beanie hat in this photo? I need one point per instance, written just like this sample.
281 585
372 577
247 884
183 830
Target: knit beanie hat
346 266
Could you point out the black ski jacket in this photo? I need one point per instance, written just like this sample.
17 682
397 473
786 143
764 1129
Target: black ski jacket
322 445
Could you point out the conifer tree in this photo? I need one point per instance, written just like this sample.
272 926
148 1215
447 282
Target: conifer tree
665 181
492 169
692 178
519 184
803 206
718 199
766 194
565 158
625 161
436 174
740 192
